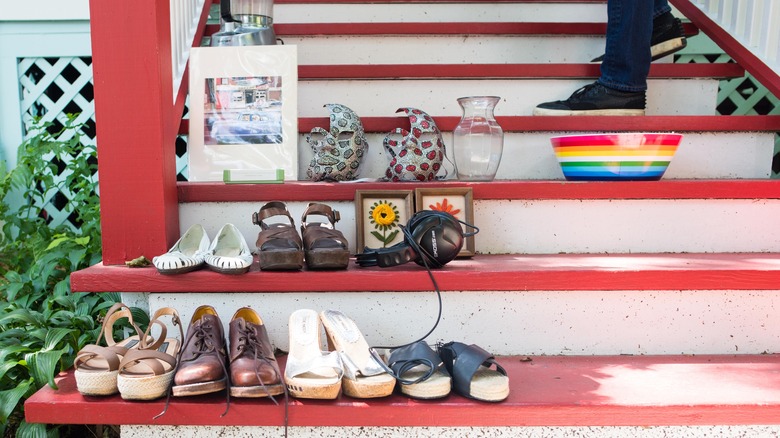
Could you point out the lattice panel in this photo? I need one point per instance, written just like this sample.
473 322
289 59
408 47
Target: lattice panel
742 96
50 88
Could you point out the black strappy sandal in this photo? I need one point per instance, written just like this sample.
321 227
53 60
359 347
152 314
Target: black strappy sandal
472 376
420 371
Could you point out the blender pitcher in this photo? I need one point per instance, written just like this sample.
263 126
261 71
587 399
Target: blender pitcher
245 23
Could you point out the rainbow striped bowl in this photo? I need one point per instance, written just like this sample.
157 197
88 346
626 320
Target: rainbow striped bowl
628 156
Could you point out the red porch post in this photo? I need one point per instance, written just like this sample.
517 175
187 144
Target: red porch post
137 123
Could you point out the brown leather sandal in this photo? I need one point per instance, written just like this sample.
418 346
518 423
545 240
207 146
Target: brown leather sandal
325 246
279 246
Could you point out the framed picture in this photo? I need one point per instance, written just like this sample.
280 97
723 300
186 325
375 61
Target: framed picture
243 112
458 201
378 214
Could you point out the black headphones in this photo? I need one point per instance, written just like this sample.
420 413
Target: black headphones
431 239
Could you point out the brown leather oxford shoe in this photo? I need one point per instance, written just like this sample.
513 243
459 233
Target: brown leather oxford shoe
202 365
254 371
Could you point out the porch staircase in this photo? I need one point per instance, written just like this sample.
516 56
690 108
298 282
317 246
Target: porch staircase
618 308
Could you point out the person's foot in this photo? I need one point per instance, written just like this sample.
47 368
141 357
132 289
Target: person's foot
596 99
668 37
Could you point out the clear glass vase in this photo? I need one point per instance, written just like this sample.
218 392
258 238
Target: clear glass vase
478 140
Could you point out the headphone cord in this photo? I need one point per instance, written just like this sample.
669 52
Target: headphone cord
372 350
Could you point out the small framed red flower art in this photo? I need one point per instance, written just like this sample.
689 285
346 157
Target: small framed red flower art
457 201
379 214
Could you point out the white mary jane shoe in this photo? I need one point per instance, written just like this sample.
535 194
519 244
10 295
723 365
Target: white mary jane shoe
229 253
187 254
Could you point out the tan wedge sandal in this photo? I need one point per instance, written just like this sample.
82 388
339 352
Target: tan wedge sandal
363 376
96 366
146 373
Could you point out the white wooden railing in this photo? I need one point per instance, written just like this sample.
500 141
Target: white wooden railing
754 23
185 15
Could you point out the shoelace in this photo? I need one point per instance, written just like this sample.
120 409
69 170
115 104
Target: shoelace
249 344
204 344
584 90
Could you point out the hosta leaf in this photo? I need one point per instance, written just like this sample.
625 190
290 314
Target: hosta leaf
54 336
20 315
62 287
43 365
10 398
34 430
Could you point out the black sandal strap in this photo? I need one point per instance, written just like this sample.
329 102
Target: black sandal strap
463 361
409 356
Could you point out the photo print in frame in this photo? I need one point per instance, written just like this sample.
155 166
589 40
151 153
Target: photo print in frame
243 113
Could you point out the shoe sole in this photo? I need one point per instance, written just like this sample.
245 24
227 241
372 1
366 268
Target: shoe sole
199 388
659 50
327 259
305 347
96 382
436 386
238 271
344 336
144 388
668 47
280 260
256 391
602 112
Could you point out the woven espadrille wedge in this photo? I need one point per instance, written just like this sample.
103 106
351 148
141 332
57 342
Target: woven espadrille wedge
97 366
146 373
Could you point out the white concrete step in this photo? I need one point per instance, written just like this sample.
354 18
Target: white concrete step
526 322
443 49
701 155
439 12
518 97
566 226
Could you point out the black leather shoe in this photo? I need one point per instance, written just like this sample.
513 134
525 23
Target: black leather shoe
668 37
595 99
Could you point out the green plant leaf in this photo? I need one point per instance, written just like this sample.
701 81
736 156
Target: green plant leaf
10 398
7 365
54 336
43 366
34 430
56 242
20 315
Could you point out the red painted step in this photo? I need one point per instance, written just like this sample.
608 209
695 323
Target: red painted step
430 1
570 123
493 71
545 391
443 28
509 189
510 272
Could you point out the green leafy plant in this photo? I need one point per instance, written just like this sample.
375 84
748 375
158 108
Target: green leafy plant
42 323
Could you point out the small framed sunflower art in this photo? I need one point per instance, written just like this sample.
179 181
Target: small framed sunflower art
379 214
457 201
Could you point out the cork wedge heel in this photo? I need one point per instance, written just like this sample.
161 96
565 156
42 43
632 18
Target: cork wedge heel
363 376
310 372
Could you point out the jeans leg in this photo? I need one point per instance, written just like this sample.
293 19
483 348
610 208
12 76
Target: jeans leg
627 56
661 7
